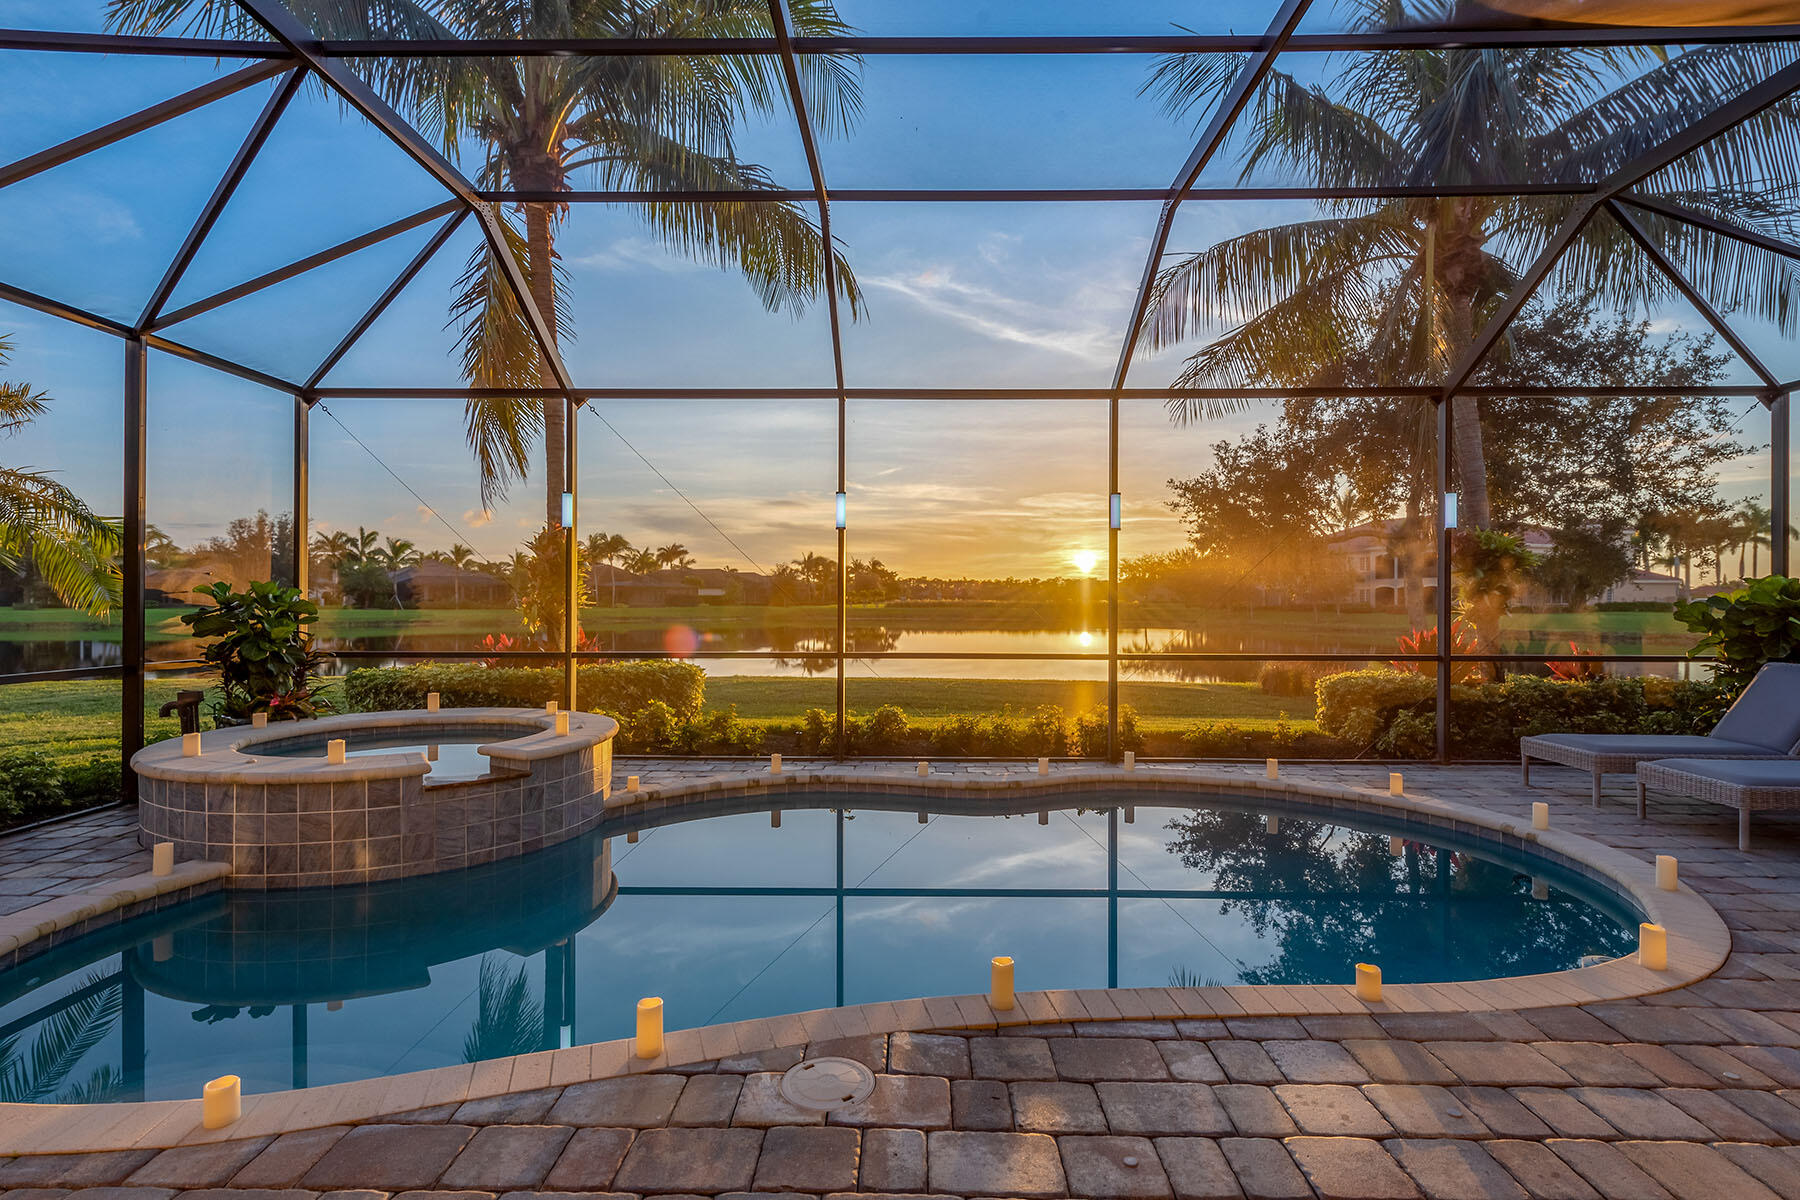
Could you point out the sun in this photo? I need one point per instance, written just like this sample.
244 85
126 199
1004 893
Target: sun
1085 560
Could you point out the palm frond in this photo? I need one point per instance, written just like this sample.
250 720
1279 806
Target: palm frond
60 1042
508 1019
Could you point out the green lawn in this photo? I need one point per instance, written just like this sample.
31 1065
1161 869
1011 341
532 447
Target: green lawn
78 719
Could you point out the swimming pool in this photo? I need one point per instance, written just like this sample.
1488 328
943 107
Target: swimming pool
851 899
450 756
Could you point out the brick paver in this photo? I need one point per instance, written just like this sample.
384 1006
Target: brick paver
1689 1094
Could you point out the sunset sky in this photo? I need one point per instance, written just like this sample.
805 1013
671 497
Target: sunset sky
958 295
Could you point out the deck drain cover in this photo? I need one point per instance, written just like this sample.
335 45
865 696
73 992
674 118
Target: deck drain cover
822 1084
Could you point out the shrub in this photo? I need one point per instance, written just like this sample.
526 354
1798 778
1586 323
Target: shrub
263 656
30 786
1046 732
99 780
717 732
1747 627
884 732
1090 731
618 689
1358 705
650 728
1292 678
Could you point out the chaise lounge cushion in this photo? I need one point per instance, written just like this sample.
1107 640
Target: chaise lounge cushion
1781 773
1767 714
1641 746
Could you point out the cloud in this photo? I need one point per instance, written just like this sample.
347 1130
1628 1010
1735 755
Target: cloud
1006 317
477 518
631 254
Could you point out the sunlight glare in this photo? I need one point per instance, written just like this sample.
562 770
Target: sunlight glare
1085 560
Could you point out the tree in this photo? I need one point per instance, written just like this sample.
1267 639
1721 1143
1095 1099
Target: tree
1427 273
44 524
1754 523
675 555
652 124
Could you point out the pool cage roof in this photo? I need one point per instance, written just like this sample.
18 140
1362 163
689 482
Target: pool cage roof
289 56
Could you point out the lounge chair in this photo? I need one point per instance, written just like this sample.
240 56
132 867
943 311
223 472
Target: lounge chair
1748 785
1764 723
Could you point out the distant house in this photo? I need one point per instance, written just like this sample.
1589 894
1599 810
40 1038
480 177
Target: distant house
433 584
1378 577
1645 587
677 587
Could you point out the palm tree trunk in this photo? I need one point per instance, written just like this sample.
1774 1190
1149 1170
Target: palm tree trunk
1471 463
539 244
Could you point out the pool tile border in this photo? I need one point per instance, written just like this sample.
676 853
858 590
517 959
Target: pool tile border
43 927
1699 943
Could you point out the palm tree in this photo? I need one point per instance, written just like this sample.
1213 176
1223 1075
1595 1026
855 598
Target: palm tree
641 562
674 555
1753 527
655 124
45 523
607 548
508 1019
1400 287
395 554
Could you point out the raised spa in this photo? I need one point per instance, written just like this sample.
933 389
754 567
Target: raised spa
727 917
417 792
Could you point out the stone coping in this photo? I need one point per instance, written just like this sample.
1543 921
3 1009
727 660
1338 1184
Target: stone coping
229 755
42 922
1699 943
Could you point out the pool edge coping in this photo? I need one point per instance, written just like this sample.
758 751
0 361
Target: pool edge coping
1699 943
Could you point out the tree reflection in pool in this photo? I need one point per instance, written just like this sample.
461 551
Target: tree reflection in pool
728 918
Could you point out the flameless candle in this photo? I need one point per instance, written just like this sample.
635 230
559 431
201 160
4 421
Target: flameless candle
1396 784
562 724
190 745
1000 984
649 1027
431 753
431 701
334 750
162 858
1540 890
1396 846
259 720
1540 815
1665 872
1043 766
1272 768
1130 815
774 764
1131 760
924 769
1368 983
1653 947
632 837
775 819
631 783
1272 826
162 947
924 819
550 707
1044 817
334 1006
221 1102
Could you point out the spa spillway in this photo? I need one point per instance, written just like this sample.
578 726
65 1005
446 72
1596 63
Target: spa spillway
417 792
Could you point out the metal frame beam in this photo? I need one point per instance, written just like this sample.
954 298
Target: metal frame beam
1041 195
148 118
251 374
1723 119
221 196
426 253
790 66
133 644
1420 392
282 24
1701 304
301 266
126 43
1700 220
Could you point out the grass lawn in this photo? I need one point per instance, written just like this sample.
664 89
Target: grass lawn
76 720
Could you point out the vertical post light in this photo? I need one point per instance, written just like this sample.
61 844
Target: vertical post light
842 513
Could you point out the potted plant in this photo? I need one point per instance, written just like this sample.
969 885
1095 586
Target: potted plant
262 653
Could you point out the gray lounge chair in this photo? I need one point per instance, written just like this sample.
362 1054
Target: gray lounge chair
1748 785
1764 723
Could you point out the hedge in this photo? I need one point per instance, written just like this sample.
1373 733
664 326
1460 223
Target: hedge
33 786
622 690
1395 712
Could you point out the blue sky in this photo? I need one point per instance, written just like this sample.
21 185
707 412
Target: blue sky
958 295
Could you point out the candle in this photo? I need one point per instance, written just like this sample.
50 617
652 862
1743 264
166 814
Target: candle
1653 947
1131 760
924 819
1665 872
431 701
550 707
162 858
1396 846
631 783
1540 815
1000 984
1540 890
649 1027
1043 766
1272 826
1368 983
562 724
259 720
431 753
1396 784
334 750
1044 817
1272 768
190 745
924 769
774 764
221 1102
775 819
162 947
632 837
1130 814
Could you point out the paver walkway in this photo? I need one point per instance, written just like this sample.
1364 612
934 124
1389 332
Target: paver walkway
1693 1094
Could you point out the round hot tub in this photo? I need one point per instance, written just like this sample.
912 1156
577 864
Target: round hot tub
417 792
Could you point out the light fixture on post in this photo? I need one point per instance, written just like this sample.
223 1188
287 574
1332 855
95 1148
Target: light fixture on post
568 510
1449 510
842 501
1115 511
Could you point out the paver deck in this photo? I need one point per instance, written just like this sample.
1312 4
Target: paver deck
1691 1093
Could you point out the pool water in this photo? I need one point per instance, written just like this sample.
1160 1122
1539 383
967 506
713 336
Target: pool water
727 918
451 755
